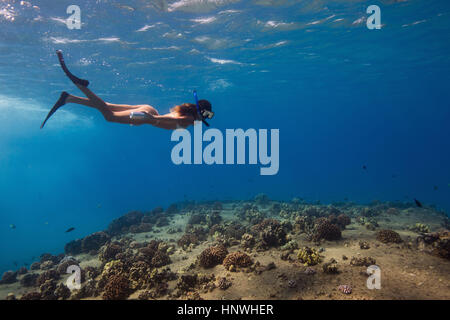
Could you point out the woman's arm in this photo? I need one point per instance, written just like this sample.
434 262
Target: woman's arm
169 122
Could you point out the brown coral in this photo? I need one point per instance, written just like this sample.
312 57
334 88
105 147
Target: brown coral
237 259
109 251
326 230
388 236
117 288
212 256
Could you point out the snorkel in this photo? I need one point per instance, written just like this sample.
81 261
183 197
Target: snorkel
198 109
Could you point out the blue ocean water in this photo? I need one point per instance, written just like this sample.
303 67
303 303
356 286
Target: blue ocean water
342 96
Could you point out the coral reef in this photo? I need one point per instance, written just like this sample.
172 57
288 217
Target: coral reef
437 243
388 236
237 259
325 230
212 256
224 283
343 220
345 288
420 228
109 252
29 280
270 233
123 223
51 274
31 296
309 256
117 288
9 277
362 261
94 241
364 245
330 267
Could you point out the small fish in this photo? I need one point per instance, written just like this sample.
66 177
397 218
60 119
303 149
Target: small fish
99 206
435 188
46 222
12 226
70 229
364 167
15 263
418 203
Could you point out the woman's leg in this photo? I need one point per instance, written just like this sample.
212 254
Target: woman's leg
111 112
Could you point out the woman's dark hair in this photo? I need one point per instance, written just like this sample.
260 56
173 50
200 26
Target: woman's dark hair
190 109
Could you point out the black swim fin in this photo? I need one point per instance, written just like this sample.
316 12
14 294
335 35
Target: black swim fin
69 74
61 101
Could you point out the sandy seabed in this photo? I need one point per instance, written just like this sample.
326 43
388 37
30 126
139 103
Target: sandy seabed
251 250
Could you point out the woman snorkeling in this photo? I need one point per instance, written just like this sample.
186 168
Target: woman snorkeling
180 116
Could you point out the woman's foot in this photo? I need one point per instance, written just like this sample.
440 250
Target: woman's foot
69 74
61 101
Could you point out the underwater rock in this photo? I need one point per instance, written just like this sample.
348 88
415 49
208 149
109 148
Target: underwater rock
117 288
29 280
31 296
9 277
212 256
224 283
309 256
388 236
362 261
330 267
237 259
326 230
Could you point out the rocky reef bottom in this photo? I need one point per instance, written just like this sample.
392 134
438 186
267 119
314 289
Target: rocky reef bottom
258 249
